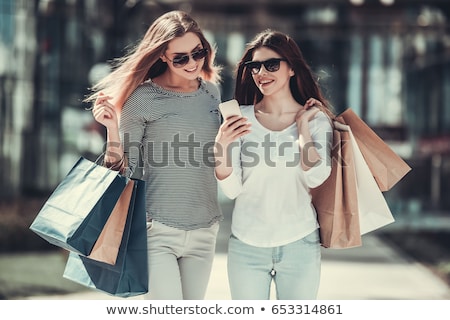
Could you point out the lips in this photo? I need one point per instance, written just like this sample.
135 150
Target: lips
191 70
265 82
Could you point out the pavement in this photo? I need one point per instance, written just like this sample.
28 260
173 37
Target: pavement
374 271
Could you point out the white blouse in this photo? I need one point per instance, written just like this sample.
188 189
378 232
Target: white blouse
273 204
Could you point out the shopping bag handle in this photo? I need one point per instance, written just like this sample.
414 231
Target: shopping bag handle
118 166
340 126
100 157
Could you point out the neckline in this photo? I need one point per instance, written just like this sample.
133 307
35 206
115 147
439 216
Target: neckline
267 129
178 93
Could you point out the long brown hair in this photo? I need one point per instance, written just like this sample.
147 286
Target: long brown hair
303 85
143 62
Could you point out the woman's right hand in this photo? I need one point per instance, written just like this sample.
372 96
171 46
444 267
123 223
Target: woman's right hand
104 112
232 129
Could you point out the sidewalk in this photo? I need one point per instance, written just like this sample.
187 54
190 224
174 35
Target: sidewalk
374 271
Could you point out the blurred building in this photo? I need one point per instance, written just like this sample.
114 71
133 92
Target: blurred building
389 60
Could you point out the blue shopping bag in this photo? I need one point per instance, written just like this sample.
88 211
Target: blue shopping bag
129 276
76 212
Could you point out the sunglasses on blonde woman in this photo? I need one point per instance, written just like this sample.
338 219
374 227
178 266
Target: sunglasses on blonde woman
271 65
180 61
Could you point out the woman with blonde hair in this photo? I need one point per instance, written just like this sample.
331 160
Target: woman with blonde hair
159 107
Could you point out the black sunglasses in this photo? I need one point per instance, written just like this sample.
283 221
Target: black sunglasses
270 65
180 61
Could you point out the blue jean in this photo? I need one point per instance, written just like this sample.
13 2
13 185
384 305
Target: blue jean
294 268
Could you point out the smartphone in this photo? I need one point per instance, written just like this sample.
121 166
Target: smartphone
230 108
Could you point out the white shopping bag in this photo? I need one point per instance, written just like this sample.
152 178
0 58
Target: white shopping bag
374 211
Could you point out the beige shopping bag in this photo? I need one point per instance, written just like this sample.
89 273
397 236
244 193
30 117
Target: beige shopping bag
107 246
373 209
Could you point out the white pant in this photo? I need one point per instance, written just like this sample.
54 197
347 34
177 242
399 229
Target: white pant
179 262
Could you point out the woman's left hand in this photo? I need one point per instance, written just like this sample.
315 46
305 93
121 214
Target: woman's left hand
309 111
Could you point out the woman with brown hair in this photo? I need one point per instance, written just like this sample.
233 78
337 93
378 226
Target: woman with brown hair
268 159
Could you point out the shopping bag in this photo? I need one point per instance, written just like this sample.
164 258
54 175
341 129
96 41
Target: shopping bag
386 166
107 245
77 210
336 200
129 276
374 212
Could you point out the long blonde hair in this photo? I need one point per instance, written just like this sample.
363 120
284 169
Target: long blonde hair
143 62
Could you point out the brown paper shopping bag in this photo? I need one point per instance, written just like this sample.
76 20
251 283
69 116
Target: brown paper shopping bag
386 166
108 243
336 200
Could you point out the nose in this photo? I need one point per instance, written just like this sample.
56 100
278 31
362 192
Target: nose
191 59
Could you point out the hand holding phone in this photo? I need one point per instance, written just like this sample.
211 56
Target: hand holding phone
230 108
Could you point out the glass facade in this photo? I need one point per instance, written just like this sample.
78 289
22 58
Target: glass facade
390 64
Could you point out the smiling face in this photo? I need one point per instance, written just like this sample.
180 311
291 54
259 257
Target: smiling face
270 83
179 47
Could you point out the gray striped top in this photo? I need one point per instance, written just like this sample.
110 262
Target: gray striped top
168 139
